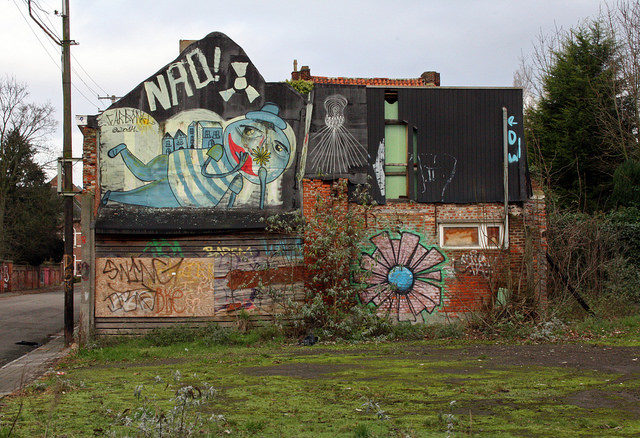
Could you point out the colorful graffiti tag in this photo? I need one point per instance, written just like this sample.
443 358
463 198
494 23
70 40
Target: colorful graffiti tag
213 160
513 139
223 278
404 276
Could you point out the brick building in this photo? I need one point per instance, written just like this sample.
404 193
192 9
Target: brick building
172 232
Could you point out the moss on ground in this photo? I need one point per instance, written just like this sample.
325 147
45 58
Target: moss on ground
384 389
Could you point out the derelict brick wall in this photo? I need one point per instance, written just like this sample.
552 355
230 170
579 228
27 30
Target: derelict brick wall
90 163
25 277
471 275
535 213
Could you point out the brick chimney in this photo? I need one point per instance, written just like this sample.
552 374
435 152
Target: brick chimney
431 77
304 74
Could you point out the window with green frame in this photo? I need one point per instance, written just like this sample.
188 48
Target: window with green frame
397 138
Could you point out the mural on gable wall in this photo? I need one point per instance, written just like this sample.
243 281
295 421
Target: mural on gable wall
215 159
206 131
405 276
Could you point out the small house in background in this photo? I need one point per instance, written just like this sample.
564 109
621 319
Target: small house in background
203 134
167 144
180 141
176 224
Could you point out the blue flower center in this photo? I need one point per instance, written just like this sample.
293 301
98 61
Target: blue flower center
401 278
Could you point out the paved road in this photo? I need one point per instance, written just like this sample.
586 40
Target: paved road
30 317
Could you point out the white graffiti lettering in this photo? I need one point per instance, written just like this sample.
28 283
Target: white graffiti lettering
475 263
176 74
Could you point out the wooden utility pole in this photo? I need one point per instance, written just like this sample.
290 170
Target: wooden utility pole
67 183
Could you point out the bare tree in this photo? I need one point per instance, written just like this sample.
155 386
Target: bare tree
622 20
24 128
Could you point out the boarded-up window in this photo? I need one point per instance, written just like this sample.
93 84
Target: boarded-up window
395 152
471 235
463 237
493 235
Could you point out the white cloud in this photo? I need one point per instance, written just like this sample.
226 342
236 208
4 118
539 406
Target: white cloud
121 43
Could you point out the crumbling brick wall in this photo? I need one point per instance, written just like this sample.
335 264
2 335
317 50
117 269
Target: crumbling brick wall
472 276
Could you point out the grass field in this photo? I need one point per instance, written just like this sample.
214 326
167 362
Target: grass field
415 389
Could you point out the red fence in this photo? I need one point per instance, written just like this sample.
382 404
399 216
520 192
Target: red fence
24 277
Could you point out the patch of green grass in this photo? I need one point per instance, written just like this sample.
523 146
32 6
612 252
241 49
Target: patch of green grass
364 390
619 331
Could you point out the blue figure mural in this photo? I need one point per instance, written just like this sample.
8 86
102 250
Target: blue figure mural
255 149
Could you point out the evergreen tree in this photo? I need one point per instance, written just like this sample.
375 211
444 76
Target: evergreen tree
32 209
24 129
565 127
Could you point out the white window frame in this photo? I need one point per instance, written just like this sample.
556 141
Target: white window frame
483 242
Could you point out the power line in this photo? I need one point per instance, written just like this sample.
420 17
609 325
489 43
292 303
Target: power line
88 75
79 76
73 56
51 57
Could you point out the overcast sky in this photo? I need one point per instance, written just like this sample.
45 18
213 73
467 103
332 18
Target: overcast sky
121 43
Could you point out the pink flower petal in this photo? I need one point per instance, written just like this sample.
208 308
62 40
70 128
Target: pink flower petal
387 305
408 243
384 295
418 255
432 258
411 314
385 246
367 295
373 264
425 296
395 244
435 275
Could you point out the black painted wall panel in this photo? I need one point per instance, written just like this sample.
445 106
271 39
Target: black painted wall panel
460 143
375 125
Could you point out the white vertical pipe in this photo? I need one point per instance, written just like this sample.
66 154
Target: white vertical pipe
505 169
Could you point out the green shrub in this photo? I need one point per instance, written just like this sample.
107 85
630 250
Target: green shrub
301 86
213 334
329 307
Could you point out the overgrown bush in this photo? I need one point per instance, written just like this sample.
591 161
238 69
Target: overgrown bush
328 306
301 86
599 256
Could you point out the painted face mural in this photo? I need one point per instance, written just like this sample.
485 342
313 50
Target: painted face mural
405 276
209 163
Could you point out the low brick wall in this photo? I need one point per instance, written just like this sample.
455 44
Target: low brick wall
25 277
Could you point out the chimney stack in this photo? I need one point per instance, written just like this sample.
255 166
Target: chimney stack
431 77
303 74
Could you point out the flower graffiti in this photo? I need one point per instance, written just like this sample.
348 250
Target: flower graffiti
404 276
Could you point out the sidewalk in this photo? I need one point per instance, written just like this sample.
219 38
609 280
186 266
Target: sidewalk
32 365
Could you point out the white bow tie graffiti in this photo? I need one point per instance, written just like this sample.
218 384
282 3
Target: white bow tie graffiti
240 83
